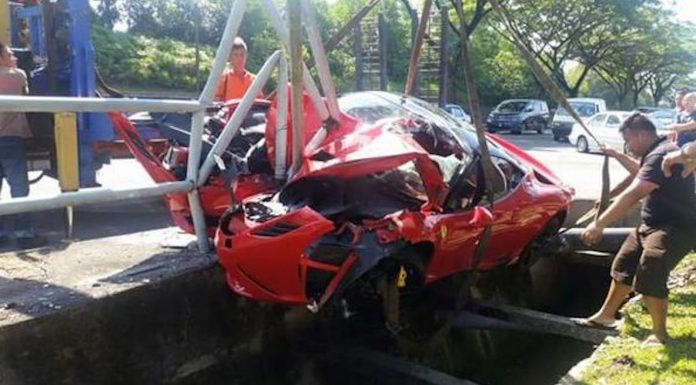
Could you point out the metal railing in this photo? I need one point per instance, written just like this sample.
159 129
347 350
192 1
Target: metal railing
195 176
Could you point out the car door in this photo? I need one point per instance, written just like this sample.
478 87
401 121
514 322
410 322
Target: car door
596 127
612 134
516 217
455 237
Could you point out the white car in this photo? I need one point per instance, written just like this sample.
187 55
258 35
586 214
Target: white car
562 122
605 127
458 112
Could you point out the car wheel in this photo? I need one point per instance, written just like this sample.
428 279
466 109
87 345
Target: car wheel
541 127
540 275
582 145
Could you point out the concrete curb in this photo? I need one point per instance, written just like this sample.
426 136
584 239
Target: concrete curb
580 206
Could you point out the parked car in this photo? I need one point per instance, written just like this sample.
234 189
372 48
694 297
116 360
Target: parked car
562 122
605 127
663 117
397 189
519 115
458 112
648 110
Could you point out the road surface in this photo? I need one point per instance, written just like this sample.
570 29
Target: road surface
582 171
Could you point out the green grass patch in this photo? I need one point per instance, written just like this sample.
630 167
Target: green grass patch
623 361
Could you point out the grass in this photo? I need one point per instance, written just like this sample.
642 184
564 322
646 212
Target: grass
623 361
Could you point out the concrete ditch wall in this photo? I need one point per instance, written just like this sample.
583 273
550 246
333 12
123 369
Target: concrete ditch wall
157 333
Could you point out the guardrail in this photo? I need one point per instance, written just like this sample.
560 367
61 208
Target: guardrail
195 176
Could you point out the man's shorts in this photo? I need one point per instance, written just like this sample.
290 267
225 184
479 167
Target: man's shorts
649 254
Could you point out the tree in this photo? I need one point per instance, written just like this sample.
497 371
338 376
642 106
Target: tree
560 32
108 12
650 60
464 28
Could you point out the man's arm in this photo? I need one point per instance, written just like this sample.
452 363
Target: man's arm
638 190
686 156
221 89
622 186
629 163
682 127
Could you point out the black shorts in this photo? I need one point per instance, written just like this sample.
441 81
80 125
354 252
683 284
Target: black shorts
649 254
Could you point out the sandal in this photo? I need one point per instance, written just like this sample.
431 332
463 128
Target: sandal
589 323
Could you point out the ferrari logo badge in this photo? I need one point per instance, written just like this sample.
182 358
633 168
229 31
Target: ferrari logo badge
443 232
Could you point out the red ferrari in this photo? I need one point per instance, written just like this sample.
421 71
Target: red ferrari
395 194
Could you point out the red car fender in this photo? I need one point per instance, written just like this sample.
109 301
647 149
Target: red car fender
267 261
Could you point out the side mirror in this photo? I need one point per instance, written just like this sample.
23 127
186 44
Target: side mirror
482 217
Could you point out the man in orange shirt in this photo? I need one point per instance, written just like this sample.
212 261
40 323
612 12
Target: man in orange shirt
236 80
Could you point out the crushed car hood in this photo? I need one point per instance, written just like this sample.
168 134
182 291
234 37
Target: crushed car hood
372 149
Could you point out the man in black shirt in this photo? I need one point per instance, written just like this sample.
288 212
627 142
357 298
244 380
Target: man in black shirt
664 237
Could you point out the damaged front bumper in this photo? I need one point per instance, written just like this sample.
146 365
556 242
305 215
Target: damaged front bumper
270 261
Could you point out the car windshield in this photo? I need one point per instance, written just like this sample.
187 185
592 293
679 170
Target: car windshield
583 109
456 112
373 106
663 114
516 106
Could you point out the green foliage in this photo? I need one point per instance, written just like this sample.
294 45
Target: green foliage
650 59
630 52
127 60
500 71
623 361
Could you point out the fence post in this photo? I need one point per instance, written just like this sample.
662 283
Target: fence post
68 164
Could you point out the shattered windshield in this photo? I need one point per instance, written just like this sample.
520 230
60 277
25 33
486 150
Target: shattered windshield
373 106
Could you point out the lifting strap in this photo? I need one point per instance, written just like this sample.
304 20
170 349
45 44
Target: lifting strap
551 87
494 182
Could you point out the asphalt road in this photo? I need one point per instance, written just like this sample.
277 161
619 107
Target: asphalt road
582 171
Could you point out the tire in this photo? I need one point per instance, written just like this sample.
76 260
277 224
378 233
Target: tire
582 144
540 276
541 127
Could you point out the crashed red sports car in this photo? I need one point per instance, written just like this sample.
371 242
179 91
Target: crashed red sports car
397 192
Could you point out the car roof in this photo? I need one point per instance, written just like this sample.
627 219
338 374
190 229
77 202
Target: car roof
521 100
590 100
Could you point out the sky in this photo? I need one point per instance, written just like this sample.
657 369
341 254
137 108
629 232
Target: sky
685 9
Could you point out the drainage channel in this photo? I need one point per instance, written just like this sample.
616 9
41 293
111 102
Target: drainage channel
189 329
299 349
